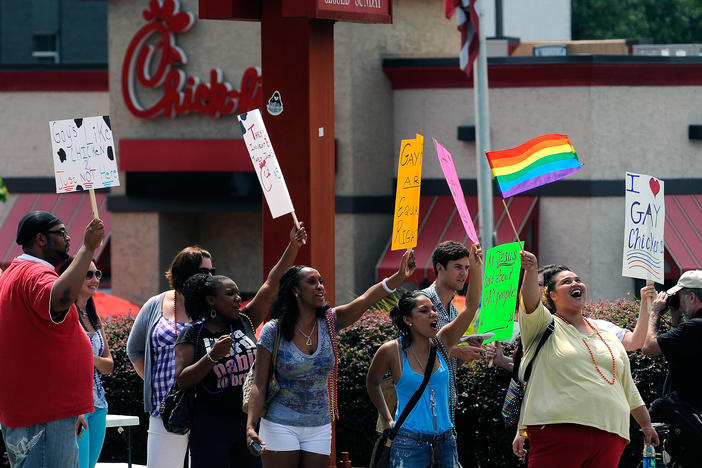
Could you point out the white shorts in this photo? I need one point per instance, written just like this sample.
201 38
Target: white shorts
282 438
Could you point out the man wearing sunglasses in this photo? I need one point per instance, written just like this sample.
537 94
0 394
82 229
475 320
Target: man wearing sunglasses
45 356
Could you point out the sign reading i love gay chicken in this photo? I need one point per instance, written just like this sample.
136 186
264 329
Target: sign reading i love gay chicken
644 223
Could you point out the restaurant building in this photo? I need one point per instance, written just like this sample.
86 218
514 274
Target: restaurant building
186 177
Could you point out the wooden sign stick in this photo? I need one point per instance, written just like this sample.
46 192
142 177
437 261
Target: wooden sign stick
93 203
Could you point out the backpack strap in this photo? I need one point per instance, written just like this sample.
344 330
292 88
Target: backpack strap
544 337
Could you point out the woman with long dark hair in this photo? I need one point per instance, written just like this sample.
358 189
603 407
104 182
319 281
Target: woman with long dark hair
296 430
91 440
426 437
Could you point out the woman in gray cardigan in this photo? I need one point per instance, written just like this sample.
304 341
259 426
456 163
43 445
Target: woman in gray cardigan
153 336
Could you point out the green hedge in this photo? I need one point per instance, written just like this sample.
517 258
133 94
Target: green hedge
125 395
482 438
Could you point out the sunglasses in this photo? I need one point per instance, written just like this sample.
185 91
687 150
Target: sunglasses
61 233
97 274
208 271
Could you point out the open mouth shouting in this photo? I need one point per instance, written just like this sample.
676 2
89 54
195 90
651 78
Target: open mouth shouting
577 291
434 325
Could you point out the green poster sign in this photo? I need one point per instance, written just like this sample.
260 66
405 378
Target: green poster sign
499 299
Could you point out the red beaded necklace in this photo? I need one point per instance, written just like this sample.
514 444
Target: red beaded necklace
592 356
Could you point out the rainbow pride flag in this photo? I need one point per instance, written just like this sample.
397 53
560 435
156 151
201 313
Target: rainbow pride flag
537 162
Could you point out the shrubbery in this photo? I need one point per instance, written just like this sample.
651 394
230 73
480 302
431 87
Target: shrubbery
482 438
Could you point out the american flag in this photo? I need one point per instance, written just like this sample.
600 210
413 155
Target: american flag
468 24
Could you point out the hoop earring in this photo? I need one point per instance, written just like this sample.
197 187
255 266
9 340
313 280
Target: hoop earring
213 313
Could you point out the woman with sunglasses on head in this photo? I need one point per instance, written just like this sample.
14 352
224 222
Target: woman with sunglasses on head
578 400
296 430
152 340
92 438
426 437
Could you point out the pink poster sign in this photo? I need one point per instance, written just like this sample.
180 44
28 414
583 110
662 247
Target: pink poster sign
454 184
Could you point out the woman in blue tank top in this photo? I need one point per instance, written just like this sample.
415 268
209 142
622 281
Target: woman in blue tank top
426 437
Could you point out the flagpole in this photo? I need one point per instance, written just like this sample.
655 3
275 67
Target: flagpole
482 136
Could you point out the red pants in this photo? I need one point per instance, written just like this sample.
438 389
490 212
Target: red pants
573 446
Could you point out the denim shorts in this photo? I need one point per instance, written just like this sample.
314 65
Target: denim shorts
416 450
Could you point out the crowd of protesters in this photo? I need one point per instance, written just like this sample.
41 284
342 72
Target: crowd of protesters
197 336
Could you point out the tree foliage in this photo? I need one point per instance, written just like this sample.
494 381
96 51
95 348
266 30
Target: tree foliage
663 21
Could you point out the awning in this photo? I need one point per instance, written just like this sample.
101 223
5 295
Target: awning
72 208
683 238
439 221
109 306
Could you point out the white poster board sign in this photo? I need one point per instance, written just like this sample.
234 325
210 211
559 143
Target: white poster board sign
265 163
84 154
644 224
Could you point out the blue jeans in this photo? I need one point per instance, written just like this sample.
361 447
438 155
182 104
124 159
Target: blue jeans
47 445
416 450
90 443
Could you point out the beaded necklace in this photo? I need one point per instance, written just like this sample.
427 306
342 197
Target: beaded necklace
592 356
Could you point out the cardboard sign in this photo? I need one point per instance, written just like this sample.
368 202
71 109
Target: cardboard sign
84 154
644 224
265 163
454 184
409 181
499 299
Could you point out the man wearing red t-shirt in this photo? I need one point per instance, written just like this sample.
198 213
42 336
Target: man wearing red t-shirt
46 360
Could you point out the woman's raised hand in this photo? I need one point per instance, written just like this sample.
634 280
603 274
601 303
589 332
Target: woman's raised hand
298 236
407 264
529 262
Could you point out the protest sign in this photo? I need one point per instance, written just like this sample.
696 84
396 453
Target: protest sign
265 163
644 224
409 181
499 299
454 184
84 155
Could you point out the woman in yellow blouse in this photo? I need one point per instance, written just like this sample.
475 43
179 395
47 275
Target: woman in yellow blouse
577 402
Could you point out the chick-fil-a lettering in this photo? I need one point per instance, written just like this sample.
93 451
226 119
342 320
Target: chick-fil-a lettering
181 94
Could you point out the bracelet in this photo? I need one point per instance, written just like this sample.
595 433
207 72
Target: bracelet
210 357
386 287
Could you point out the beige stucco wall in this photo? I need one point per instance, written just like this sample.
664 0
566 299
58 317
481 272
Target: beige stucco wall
26 149
613 129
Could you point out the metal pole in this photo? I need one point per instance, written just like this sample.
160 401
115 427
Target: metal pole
498 18
482 138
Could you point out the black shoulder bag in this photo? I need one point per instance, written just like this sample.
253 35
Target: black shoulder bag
177 406
515 392
381 450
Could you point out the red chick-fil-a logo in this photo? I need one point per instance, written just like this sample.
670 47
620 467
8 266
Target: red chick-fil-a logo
181 95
